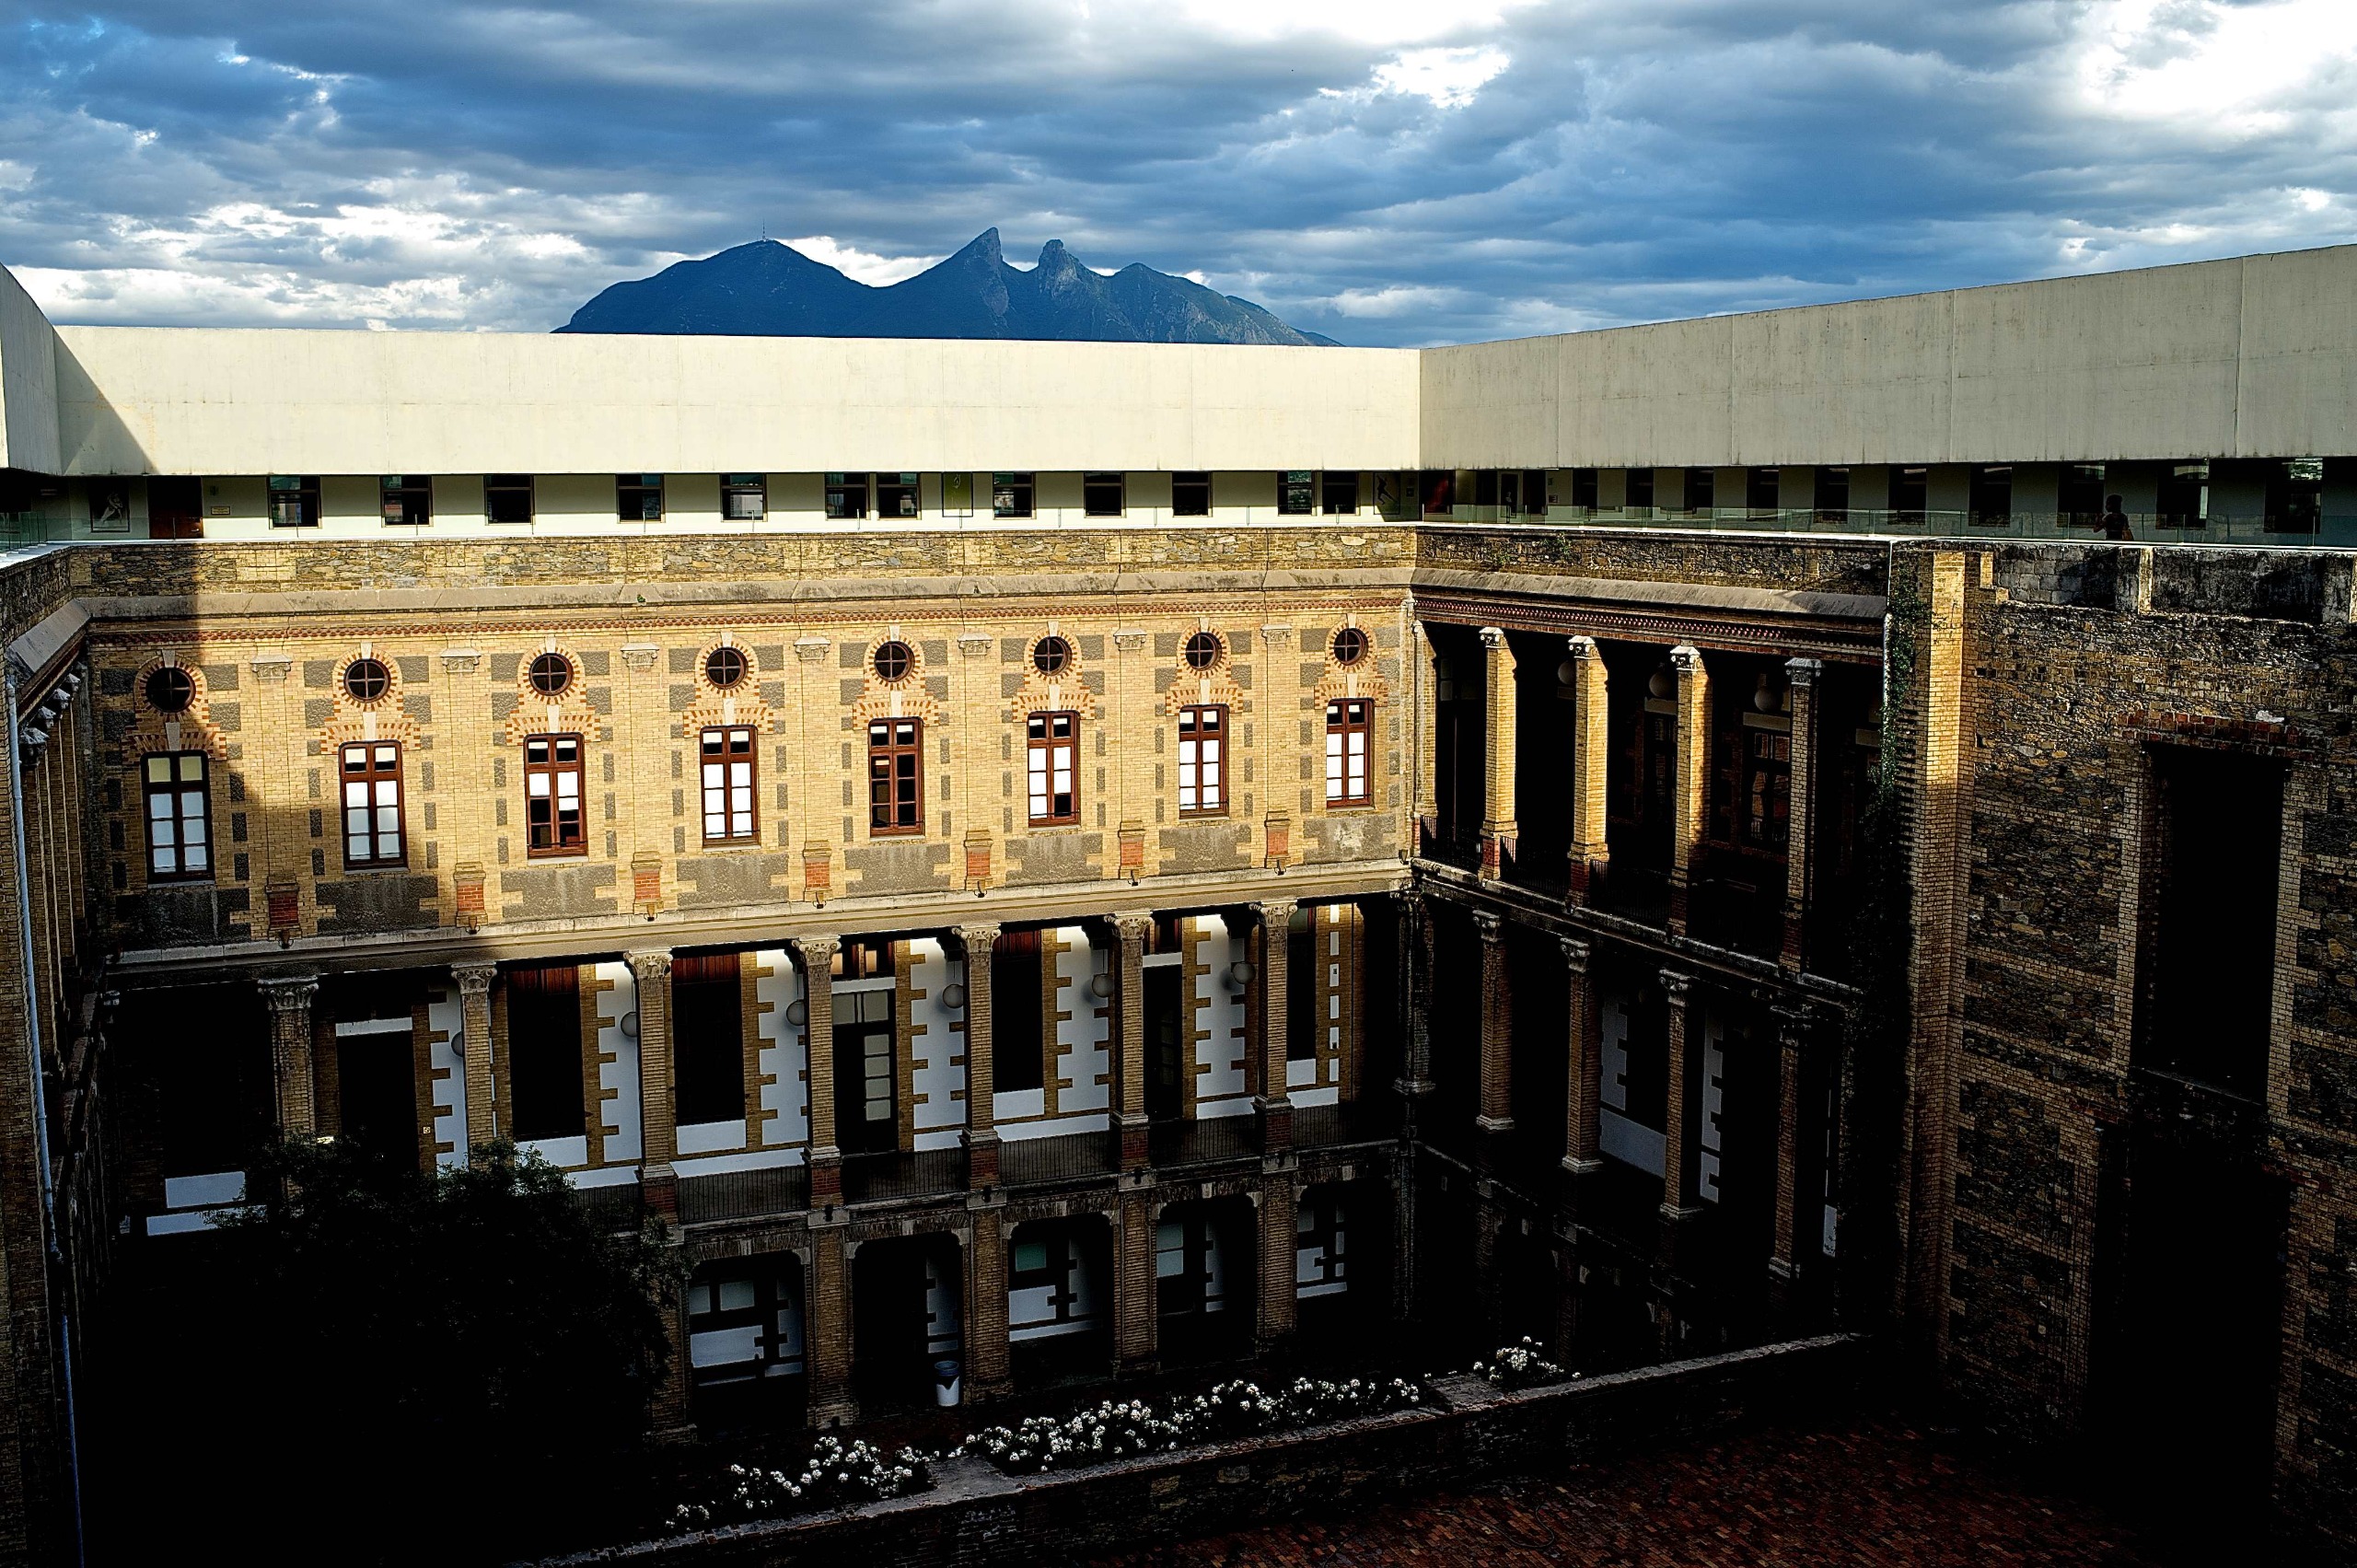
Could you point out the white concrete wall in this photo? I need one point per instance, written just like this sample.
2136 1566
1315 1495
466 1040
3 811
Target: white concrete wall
618 1066
446 1026
28 383
1223 1017
937 1046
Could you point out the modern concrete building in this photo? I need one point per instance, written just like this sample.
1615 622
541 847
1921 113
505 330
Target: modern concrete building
1653 839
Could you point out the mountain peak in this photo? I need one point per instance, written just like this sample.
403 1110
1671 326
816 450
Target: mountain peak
768 288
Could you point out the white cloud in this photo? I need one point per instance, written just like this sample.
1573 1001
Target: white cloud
1396 300
1449 78
2239 70
1376 22
862 266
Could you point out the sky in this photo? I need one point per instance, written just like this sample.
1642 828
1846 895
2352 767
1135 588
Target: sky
1385 172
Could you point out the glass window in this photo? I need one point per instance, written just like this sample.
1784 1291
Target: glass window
1702 490
1203 650
1296 493
1339 495
1010 495
638 497
372 806
555 822
1583 489
2078 496
2184 498
1349 726
1202 762
2296 495
724 666
1534 493
896 495
179 843
1054 761
294 501
170 689
1101 494
507 497
551 675
895 777
1762 490
846 495
1641 490
744 497
408 498
1992 494
728 762
1051 656
1190 495
1833 494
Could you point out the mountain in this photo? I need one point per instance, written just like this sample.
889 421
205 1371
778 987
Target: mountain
769 290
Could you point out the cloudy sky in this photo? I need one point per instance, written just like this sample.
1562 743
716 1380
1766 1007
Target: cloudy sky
1386 172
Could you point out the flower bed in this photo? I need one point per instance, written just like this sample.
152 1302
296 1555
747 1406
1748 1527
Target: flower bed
1120 1428
835 1475
1520 1366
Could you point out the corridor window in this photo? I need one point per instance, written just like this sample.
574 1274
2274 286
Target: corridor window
1101 494
1762 490
638 497
371 777
1763 816
1190 495
1911 491
1341 495
1640 492
1010 495
1992 494
744 497
896 495
179 845
1055 758
1349 726
729 785
1584 490
507 497
895 776
294 501
1202 762
1296 493
408 498
552 814
1833 496
1701 488
846 495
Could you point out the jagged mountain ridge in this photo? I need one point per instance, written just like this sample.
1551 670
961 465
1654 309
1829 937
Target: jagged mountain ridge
770 289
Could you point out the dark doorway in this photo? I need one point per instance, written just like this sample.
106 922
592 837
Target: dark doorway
2210 939
1460 740
745 1341
1165 1040
1342 1272
175 509
375 1073
1641 776
905 1299
866 1121
1059 1300
1204 1277
543 1008
707 1039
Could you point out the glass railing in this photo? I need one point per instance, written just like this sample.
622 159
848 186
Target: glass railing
2141 528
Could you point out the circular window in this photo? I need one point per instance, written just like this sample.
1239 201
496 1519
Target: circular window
169 690
551 674
724 668
366 679
894 660
1203 650
1350 646
1052 656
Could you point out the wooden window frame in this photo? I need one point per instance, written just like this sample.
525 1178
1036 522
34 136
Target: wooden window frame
738 825
496 487
1014 494
891 489
301 493
1338 493
559 847
640 486
1192 767
380 767
847 495
1093 494
1042 741
173 788
900 814
735 488
405 500
1345 717
1191 481
1296 493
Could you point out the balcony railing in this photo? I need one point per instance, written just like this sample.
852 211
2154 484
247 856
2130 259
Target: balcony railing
1369 1120
881 1178
1184 1140
2142 528
1025 1162
743 1194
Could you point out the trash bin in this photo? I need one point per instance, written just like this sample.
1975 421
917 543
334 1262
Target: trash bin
945 1382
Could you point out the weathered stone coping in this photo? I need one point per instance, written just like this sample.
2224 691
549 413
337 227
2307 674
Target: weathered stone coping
975 1514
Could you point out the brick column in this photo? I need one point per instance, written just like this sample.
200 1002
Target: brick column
1682 1160
1496 1111
1280 1214
819 1031
667 1407
1693 776
986 1341
1591 853
1129 1019
1415 1080
1426 742
1135 1305
474 1010
1802 821
1584 1080
1791 1029
1274 1105
289 997
658 1115
981 1109
1498 826
827 1328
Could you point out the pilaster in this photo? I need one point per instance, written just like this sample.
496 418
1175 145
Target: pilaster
1802 674
986 1328
818 955
828 1328
1791 1029
1693 777
982 1124
1279 1219
657 1117
1275 1105
1496 1108
1590 853
1583 1114
1682 1158
1427 740
289 998
1499 828
474 1009
1129 933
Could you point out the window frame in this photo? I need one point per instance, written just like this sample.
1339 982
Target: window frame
303 489
1190 480
847 495
555 771
892 751
735 488
1346 717
730 813
898 487
175 789
1296 493
642 486
1014 494
405 500
496 485
1192 767
1041 740
1093 488
376 772
1338 493
1701 490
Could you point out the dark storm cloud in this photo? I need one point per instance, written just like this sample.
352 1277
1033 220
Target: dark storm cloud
1371 170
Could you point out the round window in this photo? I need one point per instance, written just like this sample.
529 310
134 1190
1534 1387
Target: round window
1052 656
551 674
1203 650
366 679
1350 646
170 691
724 666
894 660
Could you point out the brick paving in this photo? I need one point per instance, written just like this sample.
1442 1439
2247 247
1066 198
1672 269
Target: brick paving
1860 1497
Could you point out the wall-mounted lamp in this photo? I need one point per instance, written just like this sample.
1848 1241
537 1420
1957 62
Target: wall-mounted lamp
797 1012
1240 973
953 996
628 1025
1100 986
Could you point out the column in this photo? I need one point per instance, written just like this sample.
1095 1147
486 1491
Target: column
667 1405
1682 1160
1791 1029
1129 933
827 1328
1591 756
658 1115
1496 1109
1693 776
1801 820
1427 742
289 997
1585 1077
818 1029
982 1124
474 1010
1280 1214
986 1342
1274 1105
1498 826
1136 1303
